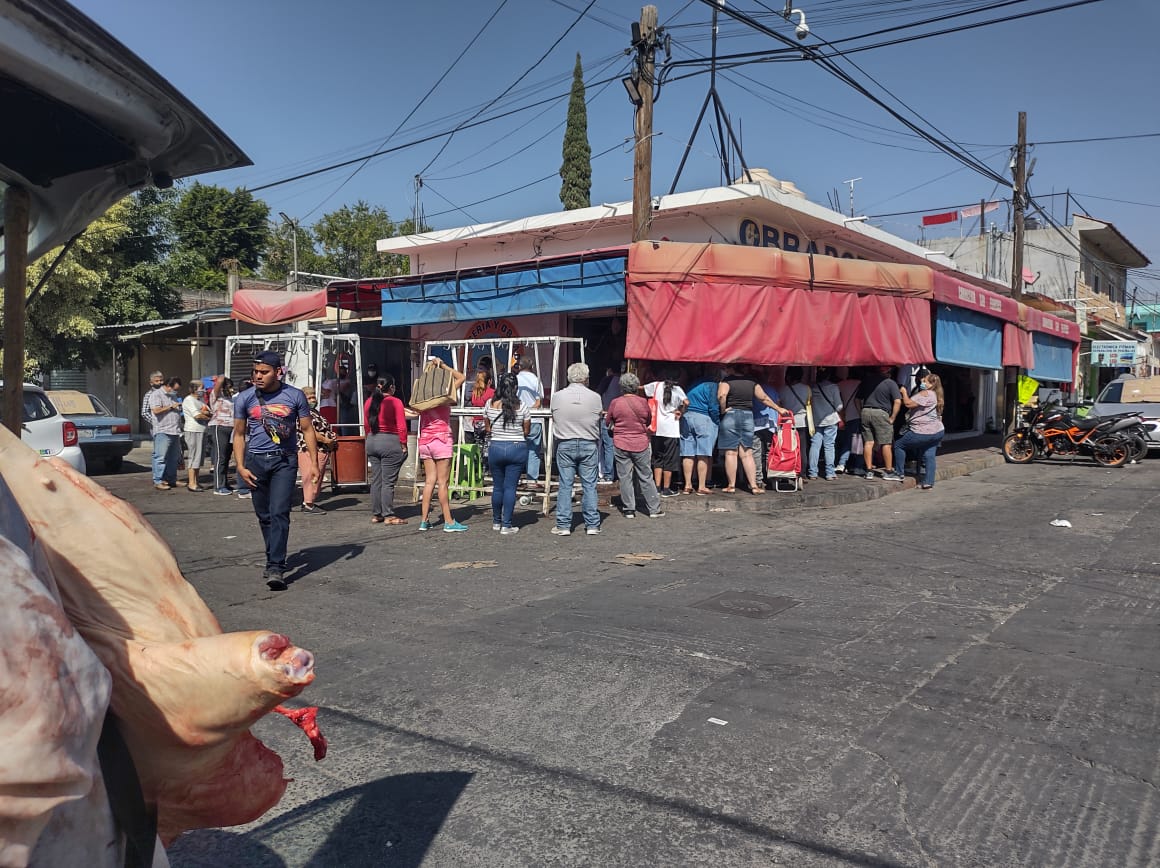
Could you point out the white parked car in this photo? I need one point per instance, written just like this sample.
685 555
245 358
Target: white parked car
46 430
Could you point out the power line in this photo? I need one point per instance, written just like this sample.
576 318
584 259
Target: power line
1099 139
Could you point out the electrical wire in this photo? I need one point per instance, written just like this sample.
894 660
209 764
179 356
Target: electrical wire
505 91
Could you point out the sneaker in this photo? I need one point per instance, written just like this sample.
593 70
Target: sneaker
630 515
275 580
506 531
830 478
562 531
495 525
424 526
592 531
658 514
869 474
668 492
893 477
457 527
312 509
840 469
162 486
244 493
224 492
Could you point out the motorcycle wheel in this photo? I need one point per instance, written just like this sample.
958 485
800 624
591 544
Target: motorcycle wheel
1139 448
1111 451
1018 448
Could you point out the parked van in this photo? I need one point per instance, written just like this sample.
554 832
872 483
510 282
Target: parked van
1128 394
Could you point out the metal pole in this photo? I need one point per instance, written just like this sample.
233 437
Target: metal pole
16 211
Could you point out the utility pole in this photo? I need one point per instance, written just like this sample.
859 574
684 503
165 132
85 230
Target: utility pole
1018 203
16 217
293 224
644 42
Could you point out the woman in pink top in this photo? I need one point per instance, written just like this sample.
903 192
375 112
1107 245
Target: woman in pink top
386 448
628 418
435 450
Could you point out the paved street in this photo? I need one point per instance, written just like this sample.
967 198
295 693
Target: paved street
955 681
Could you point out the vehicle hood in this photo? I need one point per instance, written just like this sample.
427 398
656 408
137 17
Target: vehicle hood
95 121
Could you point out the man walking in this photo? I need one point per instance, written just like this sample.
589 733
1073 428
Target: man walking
267 419
165 415
881 401
576 412
531 392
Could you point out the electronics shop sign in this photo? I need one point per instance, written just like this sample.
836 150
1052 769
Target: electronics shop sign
754 234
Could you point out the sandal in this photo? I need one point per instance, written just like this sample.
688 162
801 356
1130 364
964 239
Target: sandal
394 519
702 492
686 491
376 519
729 490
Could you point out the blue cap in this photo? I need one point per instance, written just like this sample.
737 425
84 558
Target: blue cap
268 357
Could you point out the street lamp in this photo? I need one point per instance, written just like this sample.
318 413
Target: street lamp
293 224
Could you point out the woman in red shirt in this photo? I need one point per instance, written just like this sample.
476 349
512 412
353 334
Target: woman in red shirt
386 448
628 419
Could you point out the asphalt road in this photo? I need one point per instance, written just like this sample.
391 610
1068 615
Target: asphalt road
955 681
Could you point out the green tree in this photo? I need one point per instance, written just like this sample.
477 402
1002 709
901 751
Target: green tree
576 170
62 319
278 261
212 225
346 240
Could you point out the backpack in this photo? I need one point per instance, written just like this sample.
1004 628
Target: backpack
785 455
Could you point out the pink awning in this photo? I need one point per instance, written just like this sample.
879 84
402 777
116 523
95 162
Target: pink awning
725 303
265 307
949 289
1038 321
1018 348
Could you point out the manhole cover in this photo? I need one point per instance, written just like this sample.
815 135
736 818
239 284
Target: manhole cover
747 605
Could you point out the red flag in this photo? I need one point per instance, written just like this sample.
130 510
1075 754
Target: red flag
936 219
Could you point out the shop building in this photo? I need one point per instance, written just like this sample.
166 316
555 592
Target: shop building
749 273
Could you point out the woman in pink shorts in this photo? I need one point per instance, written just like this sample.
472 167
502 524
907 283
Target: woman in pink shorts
435 452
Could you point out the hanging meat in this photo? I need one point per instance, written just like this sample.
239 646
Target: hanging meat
184 694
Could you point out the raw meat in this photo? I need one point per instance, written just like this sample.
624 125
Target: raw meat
185 693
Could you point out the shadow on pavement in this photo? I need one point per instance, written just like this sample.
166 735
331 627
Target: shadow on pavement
393 820
310 560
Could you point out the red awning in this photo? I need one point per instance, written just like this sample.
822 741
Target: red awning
949 289
725 303
360 297
265 307
1038 321
1018 348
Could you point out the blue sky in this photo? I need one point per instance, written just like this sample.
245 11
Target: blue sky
300 85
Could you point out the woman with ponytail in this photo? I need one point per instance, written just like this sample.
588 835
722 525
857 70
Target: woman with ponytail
508 424
386 448
671 401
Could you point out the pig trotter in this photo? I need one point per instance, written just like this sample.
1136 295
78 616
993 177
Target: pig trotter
307 720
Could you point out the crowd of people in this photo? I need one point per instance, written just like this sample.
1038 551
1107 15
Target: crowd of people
656 438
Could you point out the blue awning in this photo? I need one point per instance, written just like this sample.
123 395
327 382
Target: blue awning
584 284
1052 358
966 337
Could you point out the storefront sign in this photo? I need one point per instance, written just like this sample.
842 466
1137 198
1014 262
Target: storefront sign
1114 354
753 234
491 328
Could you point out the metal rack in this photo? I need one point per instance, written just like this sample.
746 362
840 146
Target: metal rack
465 355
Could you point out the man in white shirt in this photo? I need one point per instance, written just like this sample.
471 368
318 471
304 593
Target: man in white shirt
576 412
531 392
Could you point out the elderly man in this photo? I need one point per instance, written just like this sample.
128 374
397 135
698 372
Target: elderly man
576 412
165 416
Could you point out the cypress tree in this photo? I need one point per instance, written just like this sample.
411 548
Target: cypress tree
576 170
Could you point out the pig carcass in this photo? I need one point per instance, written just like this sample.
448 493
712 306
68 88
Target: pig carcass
184 694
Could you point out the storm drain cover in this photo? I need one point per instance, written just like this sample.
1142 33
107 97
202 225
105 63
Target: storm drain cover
747 605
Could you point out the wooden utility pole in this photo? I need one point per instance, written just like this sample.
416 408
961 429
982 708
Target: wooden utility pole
643 126
16 212
1018 204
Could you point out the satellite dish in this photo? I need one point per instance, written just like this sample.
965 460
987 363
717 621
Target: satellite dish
1029 276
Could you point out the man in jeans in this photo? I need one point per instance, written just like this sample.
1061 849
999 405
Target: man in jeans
165 414
267 419
576 412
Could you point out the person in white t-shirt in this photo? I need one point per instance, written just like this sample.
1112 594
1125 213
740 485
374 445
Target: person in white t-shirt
531 394
196 413
671 402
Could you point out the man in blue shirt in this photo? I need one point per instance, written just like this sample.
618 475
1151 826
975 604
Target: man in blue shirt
267 419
